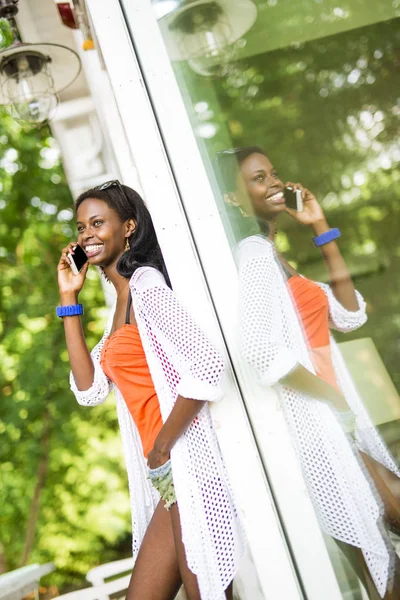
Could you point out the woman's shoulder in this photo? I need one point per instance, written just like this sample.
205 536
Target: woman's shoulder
145 277
254 246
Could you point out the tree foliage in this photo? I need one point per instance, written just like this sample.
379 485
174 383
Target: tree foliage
63 492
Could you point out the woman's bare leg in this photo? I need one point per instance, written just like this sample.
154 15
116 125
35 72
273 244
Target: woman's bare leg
156 572
188 578
229 592
357 561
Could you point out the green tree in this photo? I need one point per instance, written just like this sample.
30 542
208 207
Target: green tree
63 492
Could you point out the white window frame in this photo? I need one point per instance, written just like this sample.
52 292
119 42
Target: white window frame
268 545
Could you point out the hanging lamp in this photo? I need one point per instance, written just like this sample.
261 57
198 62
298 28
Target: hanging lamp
204 32
31 75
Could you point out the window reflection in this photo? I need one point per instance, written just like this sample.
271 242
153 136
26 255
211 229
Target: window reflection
329 109
285 322
316 83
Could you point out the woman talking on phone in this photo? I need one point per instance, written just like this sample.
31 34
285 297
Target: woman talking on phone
285 321
164 371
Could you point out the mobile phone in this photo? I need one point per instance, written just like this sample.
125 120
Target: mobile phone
78 259
293 199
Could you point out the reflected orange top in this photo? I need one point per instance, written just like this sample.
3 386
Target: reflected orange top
123 360
313 309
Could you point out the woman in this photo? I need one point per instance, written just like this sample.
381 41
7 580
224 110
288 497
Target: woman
164 372
285 320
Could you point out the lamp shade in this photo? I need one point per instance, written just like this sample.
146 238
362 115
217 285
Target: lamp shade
60 63
232 19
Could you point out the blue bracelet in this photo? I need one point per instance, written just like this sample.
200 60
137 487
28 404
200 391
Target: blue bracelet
326 237
69 311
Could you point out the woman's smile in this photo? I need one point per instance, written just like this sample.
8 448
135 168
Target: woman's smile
277 198
93 249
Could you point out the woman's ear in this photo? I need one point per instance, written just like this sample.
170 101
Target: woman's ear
130 227
231 199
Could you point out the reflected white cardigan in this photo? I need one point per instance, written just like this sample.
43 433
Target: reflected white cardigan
182 361
273 342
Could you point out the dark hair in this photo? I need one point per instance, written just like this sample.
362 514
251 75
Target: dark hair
228 164
144 247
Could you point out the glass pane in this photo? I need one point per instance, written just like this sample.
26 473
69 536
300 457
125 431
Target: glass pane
309 92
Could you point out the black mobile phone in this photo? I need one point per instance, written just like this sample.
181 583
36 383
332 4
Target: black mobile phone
78 259
293 199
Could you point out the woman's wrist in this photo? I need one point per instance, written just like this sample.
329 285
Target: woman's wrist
162 444
67 298
320 226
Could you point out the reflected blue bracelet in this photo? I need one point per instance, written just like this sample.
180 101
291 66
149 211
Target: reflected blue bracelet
69 311
326 237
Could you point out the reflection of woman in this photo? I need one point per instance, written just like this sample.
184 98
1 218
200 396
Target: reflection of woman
285 320
166 422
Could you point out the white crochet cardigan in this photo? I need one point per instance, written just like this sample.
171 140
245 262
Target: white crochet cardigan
273 342
182 362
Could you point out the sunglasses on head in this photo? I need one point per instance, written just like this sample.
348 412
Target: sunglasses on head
240 150
109 184
230 151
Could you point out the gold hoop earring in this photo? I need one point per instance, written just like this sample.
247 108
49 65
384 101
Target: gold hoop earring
127 246
232 201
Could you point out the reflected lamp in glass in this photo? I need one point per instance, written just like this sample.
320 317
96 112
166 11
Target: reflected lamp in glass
204 32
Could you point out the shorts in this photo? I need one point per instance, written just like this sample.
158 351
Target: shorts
161 479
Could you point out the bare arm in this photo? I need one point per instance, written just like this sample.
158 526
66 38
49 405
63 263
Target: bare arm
313 216
70 285
180 417
339 275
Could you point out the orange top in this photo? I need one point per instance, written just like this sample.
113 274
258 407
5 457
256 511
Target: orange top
123 360
313 309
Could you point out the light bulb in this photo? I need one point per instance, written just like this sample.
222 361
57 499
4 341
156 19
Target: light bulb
35 111
217 62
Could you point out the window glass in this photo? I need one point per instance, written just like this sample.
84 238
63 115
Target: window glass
305 95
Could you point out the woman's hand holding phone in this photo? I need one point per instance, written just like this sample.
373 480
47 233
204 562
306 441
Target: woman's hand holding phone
70 284
312 213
